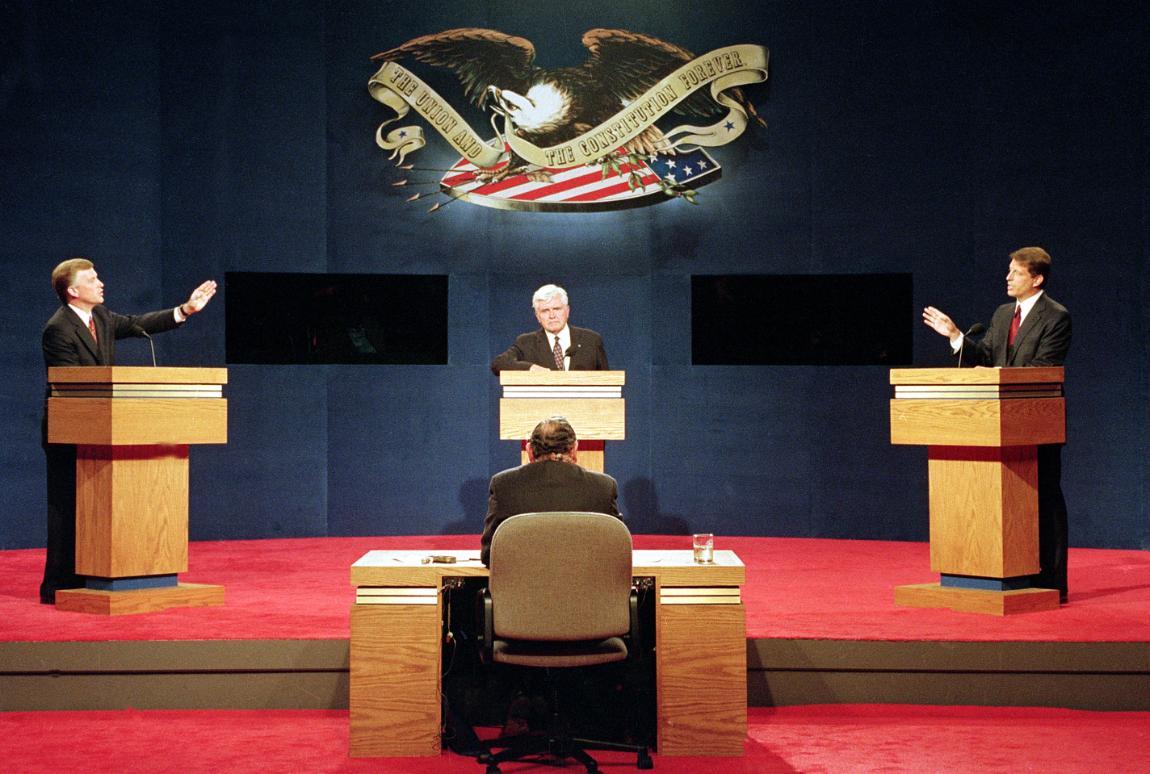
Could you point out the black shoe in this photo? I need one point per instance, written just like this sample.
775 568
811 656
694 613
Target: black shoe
48 595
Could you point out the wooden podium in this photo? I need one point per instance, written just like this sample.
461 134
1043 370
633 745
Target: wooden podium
982 427
132 427
592 401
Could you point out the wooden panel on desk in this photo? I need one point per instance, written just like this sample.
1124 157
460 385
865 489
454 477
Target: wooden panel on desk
137 421
131 510
394 700
702 679
910 376
1016 421
600 418
984 511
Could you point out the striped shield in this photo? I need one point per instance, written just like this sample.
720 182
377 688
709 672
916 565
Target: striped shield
634 182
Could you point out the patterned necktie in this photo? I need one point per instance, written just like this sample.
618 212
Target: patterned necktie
558 352
1014 323
92 329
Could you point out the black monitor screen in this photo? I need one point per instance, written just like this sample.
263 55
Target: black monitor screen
801 319
278 318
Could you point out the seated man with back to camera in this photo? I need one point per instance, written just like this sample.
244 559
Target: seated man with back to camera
551 481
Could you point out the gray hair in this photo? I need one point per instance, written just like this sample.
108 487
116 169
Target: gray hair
553 436
549 291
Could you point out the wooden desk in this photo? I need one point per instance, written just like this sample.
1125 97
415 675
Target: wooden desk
397 635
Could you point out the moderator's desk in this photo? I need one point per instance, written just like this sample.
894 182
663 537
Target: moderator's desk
397 636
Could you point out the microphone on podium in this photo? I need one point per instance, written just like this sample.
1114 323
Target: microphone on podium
975 329
137 331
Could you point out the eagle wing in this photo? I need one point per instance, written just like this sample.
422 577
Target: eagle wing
478 57
628 63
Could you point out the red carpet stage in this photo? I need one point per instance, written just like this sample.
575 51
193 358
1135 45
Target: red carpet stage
839 678
822 629
796 589
821 738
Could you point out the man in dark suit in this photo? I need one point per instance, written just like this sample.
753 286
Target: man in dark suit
551 481
1031 330
556 346
83 332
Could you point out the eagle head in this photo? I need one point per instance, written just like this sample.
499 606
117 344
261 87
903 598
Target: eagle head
545 108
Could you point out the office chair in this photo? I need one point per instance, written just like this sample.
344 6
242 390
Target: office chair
559 596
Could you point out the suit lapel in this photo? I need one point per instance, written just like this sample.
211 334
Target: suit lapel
106 335
999 345
546 354
84 335
107 340
576 347
1029 325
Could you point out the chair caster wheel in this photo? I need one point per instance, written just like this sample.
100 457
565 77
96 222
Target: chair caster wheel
644 761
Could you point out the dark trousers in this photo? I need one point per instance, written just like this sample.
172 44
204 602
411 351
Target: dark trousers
60 564
1053 531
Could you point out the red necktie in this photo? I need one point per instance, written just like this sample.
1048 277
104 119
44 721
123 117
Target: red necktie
1014 323
92 329
558 352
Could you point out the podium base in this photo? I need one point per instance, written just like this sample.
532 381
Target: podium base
976 600
98 602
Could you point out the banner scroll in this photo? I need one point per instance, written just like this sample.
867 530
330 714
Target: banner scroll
722 69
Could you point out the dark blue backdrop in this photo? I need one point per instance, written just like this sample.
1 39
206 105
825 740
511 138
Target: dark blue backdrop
177 141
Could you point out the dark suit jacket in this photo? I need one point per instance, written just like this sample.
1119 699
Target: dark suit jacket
67 342
546 485
587 352
1043 339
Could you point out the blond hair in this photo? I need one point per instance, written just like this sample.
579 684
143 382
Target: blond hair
64 275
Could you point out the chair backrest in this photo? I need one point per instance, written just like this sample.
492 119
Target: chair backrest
561 577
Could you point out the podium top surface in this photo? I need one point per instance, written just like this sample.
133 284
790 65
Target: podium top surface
136 375
942 376
562 378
